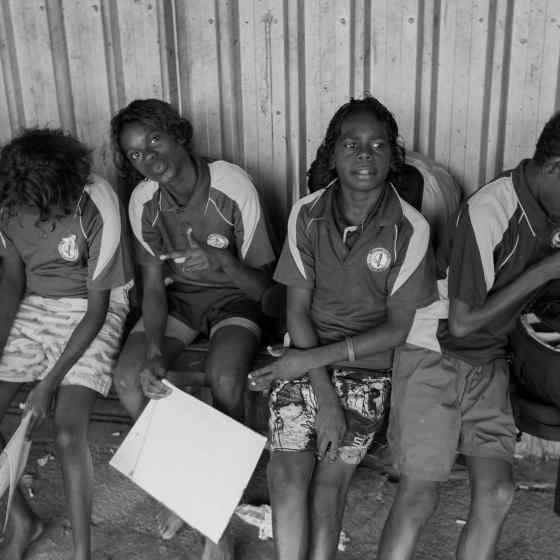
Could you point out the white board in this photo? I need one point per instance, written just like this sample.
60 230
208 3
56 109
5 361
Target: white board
192 458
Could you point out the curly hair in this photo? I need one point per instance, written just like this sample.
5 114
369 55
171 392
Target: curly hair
149 112
43 168
548 144
321 171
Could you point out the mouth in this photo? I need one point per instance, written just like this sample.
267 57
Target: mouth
159 167
365 172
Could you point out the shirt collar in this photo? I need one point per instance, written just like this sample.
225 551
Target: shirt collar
167 203
535 215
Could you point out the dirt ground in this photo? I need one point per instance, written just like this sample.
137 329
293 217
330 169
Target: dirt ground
124 519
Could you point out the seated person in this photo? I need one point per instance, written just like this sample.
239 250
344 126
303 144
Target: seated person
357 265
199 224
64 274
450 382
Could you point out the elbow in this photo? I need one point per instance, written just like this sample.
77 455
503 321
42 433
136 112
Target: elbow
457 328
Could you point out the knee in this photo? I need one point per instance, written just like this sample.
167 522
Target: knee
285 481
228 388
418 498
329 500
497 496
68 438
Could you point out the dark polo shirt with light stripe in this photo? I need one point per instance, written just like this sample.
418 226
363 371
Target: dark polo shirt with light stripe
67 256
230 211
388 266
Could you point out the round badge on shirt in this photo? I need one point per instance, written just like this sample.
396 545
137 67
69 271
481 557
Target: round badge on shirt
217 240
378 259
68 248
555 239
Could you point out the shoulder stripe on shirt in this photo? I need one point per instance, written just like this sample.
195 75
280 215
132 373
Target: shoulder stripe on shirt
494 205
417 245
3 241
107 202
292 228
236 184
143 193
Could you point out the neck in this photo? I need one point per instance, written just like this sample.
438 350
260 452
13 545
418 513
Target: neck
355 206
182 186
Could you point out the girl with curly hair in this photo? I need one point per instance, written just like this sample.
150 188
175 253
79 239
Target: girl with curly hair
356 263
65 269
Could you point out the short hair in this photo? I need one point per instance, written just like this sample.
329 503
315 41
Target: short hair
548 144
149 112
321 171
43 168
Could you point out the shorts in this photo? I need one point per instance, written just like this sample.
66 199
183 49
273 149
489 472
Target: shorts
364 396
442 406
39 334
187 320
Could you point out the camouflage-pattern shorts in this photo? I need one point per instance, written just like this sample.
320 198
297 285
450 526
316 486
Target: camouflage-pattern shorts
364 396
39 334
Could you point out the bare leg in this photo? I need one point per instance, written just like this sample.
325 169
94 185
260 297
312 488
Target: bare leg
230 356
328 500
414 504
492 492
73 410
23 525
289 478
131 358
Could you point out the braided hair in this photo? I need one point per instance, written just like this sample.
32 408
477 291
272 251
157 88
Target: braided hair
43 168
322 172
548 144
149 112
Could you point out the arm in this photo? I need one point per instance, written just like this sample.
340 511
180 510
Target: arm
465 318
12 287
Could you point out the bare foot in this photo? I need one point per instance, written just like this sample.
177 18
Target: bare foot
168 524
19 537
224 550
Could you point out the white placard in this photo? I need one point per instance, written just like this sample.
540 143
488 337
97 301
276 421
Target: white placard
192 458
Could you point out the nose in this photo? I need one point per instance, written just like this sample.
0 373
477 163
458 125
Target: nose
365 153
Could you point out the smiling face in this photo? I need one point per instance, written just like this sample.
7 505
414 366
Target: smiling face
154 153
362 155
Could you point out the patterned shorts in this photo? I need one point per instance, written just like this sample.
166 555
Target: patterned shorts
364 396
39 335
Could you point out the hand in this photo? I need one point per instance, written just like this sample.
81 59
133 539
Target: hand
330 425
196 258
151 375
38 403
293 364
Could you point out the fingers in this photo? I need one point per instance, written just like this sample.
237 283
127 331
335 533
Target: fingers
192 241
260 380
177 256
156 389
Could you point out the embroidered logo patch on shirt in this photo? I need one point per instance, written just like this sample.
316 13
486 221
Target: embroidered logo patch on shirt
378 259
555 239
68 248
217 240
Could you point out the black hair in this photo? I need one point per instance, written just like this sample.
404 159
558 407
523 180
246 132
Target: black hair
149 112
321 172
43 168
548 144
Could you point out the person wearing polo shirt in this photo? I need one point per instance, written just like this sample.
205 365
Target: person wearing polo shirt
205 256
451 381
356 263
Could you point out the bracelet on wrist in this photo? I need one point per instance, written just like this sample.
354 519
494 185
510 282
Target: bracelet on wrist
350 352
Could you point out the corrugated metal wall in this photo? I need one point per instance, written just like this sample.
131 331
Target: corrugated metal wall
471 82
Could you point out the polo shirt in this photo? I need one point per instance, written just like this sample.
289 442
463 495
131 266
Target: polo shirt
230 216
501 231
69 255
388 266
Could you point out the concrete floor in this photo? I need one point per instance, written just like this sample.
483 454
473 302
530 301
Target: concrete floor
124 520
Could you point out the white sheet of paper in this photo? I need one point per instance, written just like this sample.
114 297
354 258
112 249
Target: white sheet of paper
192 458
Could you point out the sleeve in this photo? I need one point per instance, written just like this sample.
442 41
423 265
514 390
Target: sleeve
412 280
471 261
148 241
103 223
296 266
251 235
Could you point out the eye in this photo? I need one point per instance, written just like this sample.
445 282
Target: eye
155 139
378 145
349 145
134 156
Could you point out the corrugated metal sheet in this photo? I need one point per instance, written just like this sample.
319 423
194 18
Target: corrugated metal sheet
471 82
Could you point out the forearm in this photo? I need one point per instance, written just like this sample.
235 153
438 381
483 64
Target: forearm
11 296
251 281
465 319
82 336
154 315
